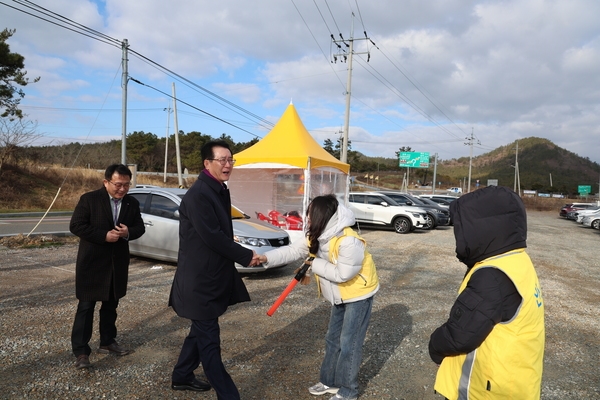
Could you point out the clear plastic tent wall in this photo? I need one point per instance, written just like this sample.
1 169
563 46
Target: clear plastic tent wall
280 194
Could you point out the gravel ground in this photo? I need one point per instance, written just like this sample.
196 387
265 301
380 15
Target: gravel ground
278 357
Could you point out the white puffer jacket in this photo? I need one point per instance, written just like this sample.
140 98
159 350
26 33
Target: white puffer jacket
349 263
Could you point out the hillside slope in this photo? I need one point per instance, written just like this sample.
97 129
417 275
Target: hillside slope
539 161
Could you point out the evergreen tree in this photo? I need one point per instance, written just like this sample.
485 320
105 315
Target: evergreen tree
12 76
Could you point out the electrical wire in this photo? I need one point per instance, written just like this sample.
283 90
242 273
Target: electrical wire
317 42
207 93
195 108
333 18
62 26
419 89
91 33
47 12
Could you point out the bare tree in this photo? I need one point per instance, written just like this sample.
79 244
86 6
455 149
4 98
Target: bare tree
15 133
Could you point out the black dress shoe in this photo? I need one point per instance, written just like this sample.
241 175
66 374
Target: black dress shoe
196 385
83 361
113 348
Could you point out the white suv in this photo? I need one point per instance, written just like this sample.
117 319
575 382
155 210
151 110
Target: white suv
378 209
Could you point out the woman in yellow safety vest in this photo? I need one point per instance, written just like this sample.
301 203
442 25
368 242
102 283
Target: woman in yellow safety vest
346 276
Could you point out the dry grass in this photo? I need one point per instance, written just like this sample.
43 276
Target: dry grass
21 241
35 188
545 203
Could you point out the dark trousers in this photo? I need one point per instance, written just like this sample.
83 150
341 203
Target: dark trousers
84 324
203 345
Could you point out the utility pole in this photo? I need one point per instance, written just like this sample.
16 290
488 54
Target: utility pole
517 173
347 57
168 110
177 138
434 174
124 79
469 143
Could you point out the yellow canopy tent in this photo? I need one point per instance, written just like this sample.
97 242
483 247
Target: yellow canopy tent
276 178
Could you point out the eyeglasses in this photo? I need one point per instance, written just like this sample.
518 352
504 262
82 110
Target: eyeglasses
121 185
223 161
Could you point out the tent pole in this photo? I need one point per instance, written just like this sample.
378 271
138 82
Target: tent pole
306 198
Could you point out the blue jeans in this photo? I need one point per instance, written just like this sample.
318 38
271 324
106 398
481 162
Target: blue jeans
343 346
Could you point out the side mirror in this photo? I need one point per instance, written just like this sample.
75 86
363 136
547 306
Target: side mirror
383 203
176 215
409 203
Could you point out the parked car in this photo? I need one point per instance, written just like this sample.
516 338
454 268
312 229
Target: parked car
592 220
580 214
572 215
436 215
569 207
455 190
160 212
441 199
378 209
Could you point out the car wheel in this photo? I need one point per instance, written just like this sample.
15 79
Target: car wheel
596 224
401 225
429 222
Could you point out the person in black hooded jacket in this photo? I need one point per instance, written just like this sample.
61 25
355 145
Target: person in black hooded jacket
490 228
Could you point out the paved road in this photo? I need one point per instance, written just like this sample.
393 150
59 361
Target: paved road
50 224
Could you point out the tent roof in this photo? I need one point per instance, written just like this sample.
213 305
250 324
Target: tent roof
289 143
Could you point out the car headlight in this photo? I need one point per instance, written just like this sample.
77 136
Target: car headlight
417 215
251 241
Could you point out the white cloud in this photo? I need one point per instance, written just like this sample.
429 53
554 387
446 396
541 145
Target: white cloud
506 69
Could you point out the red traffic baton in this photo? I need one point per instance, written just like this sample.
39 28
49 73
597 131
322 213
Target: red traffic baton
290 286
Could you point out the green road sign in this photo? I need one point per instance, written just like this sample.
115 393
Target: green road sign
584 189
414 160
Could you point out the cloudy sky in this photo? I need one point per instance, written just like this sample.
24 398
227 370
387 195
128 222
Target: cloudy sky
431 74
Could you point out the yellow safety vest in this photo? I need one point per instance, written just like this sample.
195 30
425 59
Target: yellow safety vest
365 281
509 362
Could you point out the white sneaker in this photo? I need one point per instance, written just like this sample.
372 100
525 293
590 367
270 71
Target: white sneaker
320 389
338 397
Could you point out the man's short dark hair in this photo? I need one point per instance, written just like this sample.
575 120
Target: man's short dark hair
119 169
206 152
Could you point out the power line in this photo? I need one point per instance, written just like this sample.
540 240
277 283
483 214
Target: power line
408 101
195 108
45 11
74 29
91 33
332 17
316 41
215 97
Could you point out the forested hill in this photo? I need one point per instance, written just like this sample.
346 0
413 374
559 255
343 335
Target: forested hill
539 161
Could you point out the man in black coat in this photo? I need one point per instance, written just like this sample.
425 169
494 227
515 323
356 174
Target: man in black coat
104 220
206 281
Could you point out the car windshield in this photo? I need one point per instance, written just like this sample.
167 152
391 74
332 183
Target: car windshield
389 200
427 201
416 200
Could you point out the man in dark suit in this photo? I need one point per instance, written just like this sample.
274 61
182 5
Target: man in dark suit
104 220
206 281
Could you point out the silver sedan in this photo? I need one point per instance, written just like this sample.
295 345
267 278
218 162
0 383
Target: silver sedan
160 212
